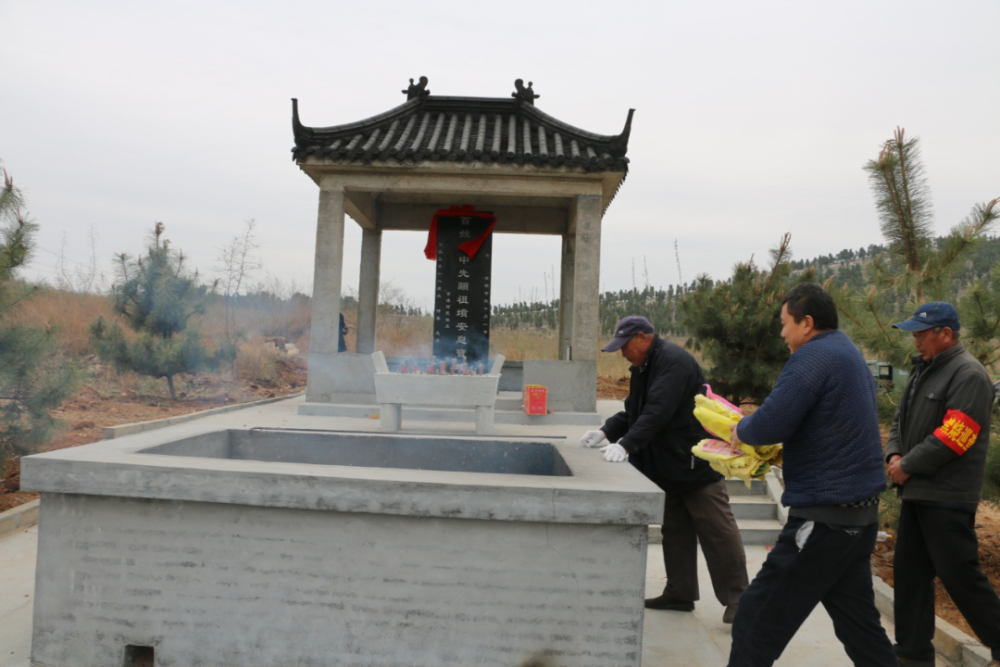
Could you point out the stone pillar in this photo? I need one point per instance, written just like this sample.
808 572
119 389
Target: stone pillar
327 272
368 288
586 221
566 280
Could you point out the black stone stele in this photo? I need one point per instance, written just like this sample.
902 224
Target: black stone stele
462 294
506 130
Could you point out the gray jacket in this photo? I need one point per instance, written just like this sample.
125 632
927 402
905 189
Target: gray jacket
932 431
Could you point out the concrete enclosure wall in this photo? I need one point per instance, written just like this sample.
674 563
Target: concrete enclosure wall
238 586
341 378
571 386
255 546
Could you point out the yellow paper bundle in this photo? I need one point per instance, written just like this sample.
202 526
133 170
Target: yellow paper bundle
715 417
731 462
718 417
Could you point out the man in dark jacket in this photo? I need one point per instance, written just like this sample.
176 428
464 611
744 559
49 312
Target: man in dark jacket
823 410
656 432
341 340
937 456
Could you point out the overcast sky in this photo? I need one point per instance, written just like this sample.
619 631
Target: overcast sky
752 119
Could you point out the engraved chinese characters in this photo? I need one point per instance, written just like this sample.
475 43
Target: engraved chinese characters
462 295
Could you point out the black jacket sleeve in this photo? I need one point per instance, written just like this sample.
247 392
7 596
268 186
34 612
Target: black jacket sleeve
665 394
616 426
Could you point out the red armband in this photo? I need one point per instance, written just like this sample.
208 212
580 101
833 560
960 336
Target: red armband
959 431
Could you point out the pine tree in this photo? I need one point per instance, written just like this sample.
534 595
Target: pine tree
157 299
33 381
979 310
913 269
735 324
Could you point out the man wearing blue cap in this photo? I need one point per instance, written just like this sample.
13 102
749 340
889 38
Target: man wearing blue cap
937 457
655 433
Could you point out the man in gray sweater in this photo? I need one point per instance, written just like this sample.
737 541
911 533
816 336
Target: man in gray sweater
937 457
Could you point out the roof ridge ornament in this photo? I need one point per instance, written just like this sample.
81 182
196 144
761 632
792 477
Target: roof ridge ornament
524 94
415 90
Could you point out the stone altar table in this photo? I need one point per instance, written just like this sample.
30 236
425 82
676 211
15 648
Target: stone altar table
394 390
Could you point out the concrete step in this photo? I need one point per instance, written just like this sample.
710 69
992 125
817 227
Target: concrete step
759 532
755 511
509 400
753 507
754 532
736 487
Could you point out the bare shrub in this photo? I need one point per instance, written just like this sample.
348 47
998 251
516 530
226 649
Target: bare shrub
256 361
260 314
402 335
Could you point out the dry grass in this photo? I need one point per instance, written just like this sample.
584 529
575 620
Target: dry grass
397 335
525 343
287 318
612 365
70 315
256 361
543 344
67 313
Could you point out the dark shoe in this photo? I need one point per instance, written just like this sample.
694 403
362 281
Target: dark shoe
664 602
910 662
730 614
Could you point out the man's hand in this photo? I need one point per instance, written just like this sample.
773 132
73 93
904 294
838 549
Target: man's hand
592 438
895 470
734 438
614 453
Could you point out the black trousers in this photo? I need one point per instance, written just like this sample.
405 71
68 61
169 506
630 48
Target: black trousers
703 515
934 541
828 564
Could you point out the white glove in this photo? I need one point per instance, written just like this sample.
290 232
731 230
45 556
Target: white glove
592 438
614 453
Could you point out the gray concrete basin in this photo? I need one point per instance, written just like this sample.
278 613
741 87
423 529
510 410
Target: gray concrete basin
254 547
373 450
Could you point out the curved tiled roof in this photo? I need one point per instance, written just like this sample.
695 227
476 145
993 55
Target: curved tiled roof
464 129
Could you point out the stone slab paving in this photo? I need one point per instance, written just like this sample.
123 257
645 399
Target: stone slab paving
17 585
701 639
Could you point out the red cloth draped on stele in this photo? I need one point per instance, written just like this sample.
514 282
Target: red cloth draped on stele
470 248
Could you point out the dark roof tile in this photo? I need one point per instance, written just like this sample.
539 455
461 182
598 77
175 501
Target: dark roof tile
509 130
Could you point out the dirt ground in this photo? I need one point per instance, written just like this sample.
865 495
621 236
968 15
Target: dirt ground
612 388
106 400
988 530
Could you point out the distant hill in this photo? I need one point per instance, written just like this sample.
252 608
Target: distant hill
663 306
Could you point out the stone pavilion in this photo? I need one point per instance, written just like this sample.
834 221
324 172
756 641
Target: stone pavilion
393 171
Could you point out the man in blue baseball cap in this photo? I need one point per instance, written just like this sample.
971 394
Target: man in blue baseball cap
937 457
930 316
655 433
